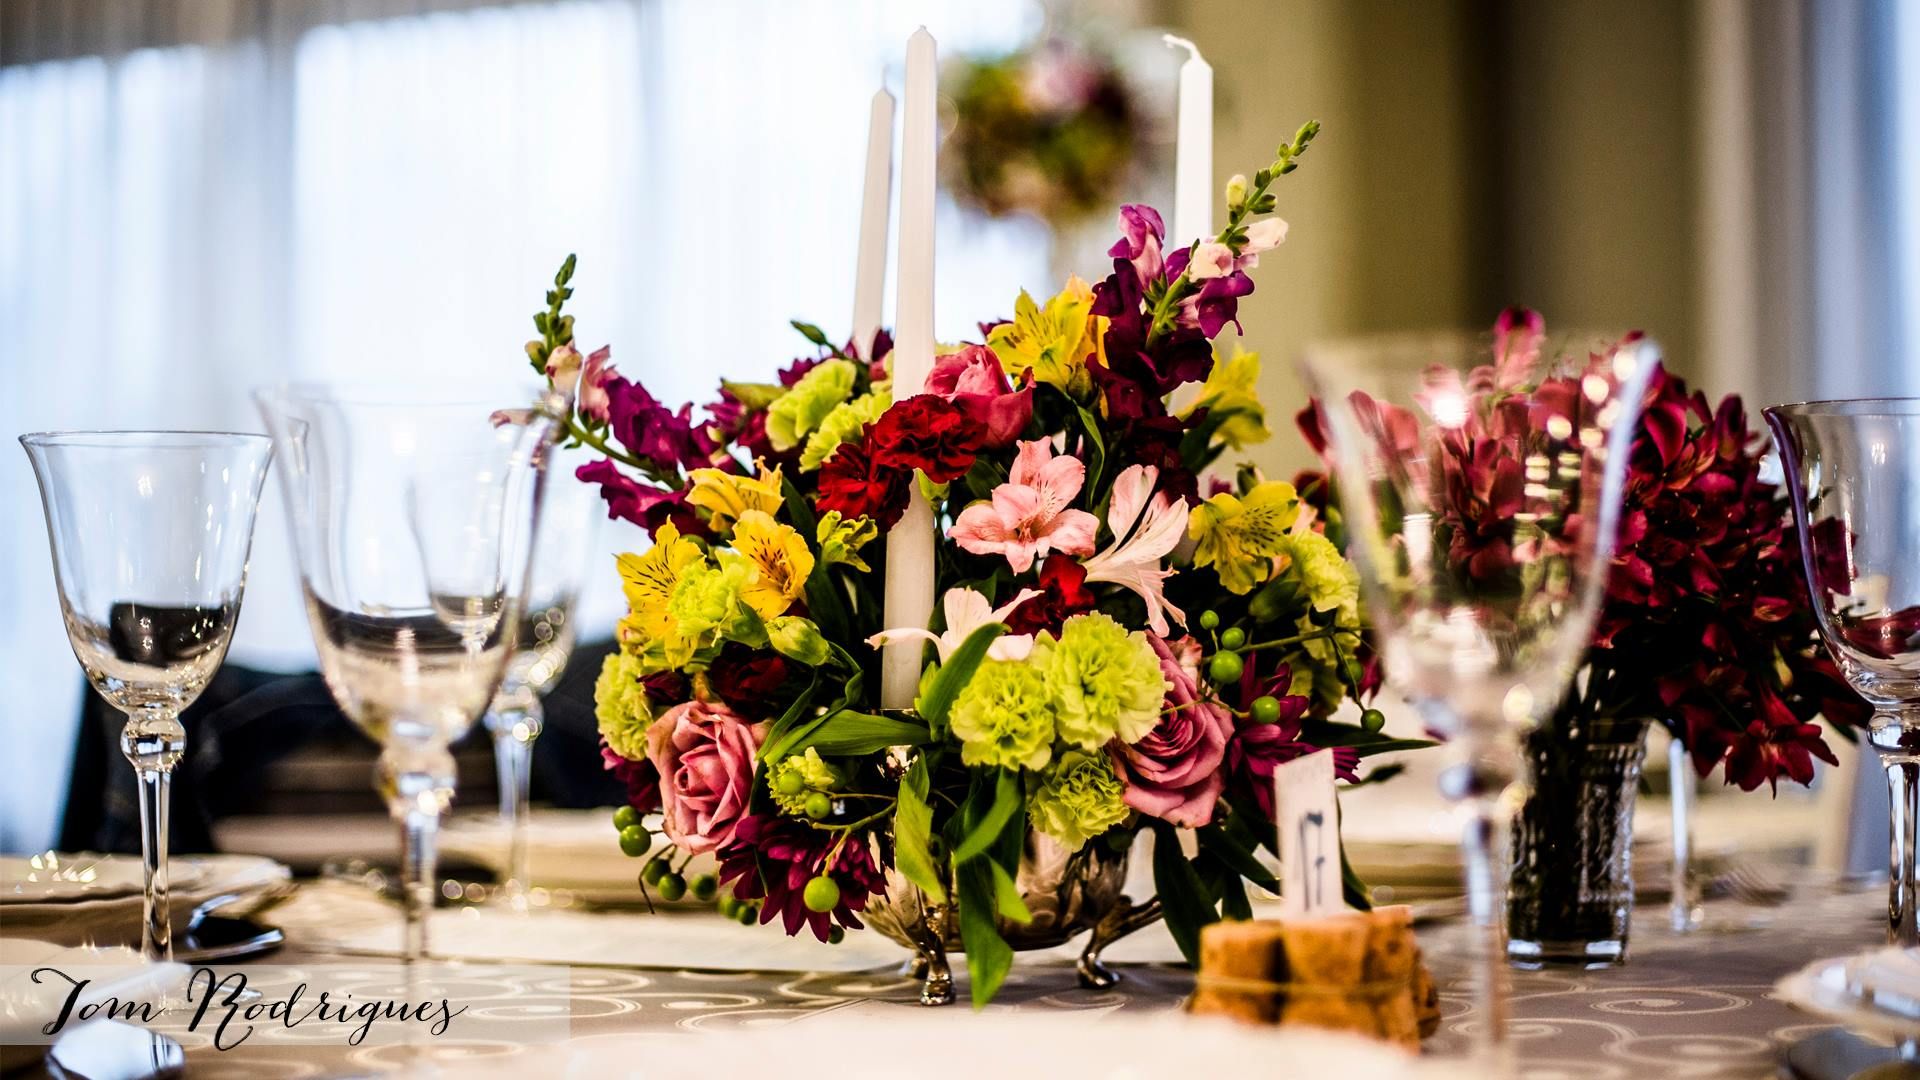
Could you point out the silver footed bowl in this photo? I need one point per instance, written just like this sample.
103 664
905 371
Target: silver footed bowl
1067 892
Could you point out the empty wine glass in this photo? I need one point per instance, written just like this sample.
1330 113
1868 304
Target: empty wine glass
1853 470
412 524
150 532
563 546
1479 485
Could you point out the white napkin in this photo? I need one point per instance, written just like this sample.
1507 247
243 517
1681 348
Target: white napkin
880 1042
115 920
342 917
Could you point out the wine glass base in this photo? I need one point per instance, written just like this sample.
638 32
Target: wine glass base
1533 955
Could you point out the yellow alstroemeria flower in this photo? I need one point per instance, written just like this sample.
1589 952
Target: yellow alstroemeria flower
726 496
648 581
1054 341
1239 536
780 560
1230 395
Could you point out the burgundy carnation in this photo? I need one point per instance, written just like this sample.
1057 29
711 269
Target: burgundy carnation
772 858
1063 594
747 679
856 485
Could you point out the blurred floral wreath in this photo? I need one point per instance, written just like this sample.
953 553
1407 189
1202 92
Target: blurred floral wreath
1053 130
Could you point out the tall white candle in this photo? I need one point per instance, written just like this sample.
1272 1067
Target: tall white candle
870 271
909 583
1193 149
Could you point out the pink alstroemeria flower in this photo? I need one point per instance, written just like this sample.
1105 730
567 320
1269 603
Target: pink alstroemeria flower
1138 562
967 611
1028 515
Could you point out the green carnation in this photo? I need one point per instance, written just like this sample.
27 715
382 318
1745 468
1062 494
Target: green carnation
1104 681
1003 716
620 704
842 425
1330 582
799 776
707 598
798 411
1077 799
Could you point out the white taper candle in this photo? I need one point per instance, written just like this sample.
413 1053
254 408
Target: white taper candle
1193 195
909 582
870 271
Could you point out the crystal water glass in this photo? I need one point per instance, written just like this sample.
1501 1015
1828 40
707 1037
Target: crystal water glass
412 524
1853 471
564 549
150 532
1479 484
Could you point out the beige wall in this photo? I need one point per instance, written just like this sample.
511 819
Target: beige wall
1475 153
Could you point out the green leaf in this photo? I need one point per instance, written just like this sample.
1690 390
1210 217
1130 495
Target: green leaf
913 832
1007 895
777 733
989 958
1184 900
847 733
1233 901
1368 743
936 699
980 835
1237 854
812 333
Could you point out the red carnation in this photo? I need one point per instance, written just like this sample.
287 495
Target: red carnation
854 483
1063 594
926 433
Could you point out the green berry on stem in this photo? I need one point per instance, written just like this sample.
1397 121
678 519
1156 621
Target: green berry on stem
672 887
704 887
1209 619
790 783
655 869
635 841
625 818
819 805
1266 709
1233 637
728 907
822 894
749 915
1373 720
836 935
1225 667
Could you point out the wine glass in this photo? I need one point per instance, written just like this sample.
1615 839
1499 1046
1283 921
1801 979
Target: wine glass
563 548
412 525
1480 485
150 532
1853 471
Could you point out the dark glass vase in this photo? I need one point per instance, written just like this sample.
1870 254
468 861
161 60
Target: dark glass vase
1571 892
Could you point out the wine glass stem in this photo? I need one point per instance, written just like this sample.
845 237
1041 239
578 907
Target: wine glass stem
1897 740
1484 839
1684 903
514 729
153 740
419 782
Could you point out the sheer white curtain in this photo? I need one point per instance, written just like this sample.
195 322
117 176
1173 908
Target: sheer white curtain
385 197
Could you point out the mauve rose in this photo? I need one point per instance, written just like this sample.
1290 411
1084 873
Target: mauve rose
974 380
705 756
1174 773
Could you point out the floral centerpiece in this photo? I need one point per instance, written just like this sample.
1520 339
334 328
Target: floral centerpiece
1124 642
1052 130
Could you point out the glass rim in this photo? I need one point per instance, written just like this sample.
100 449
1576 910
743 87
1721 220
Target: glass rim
1884 406
1415 347
155 439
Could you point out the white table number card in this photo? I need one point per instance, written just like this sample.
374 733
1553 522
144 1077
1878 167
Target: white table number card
1309 822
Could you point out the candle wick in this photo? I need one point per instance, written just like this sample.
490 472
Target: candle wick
1175 42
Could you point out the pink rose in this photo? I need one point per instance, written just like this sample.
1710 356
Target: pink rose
973 379
704 753
1174 773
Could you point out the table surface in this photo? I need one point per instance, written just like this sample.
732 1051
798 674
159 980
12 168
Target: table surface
1694 1005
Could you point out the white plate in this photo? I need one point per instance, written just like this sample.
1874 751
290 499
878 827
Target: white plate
1842 989
56 877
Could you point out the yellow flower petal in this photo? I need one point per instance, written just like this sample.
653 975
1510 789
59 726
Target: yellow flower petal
725 496
1239 537
648 581
780 559
1230 395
